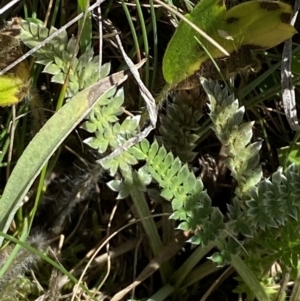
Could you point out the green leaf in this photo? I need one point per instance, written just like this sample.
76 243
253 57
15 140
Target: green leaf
145 145
167 194
244 135
71 46
257 23
175 166
115 185
130 124
130 159
160 156
58 78
52 68
112 165
189 183
99 143
196 240
184 55
123 193
183 173
167 162
144 175
153 151
184 226
137 153
178 215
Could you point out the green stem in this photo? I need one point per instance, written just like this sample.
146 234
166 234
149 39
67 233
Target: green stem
296 289
149 226
181 274
16 249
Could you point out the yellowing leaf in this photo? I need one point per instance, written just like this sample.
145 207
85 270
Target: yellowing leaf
14 85
259 24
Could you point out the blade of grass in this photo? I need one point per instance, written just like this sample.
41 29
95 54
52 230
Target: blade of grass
249 278
16 249
155 43
85 24
133 32
150 229
145 39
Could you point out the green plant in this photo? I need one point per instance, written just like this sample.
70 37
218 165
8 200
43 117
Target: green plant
158 175
258 206
59 56
264 211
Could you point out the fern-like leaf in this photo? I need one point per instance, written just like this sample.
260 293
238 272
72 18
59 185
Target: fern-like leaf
227 117
59 54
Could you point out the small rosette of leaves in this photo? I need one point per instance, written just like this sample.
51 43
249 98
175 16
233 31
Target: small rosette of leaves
227 117
190 202
178 127
59 54
110 134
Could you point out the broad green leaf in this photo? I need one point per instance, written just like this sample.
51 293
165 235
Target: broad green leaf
115 185
52 68
261 24
46 142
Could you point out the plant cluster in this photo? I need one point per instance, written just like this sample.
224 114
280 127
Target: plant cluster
260 228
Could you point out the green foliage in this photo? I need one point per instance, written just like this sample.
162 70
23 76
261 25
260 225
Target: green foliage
269 203
242 157
141 179
59 56
243 25
109 133
266 212
263 205
263 222
277 198
190 202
